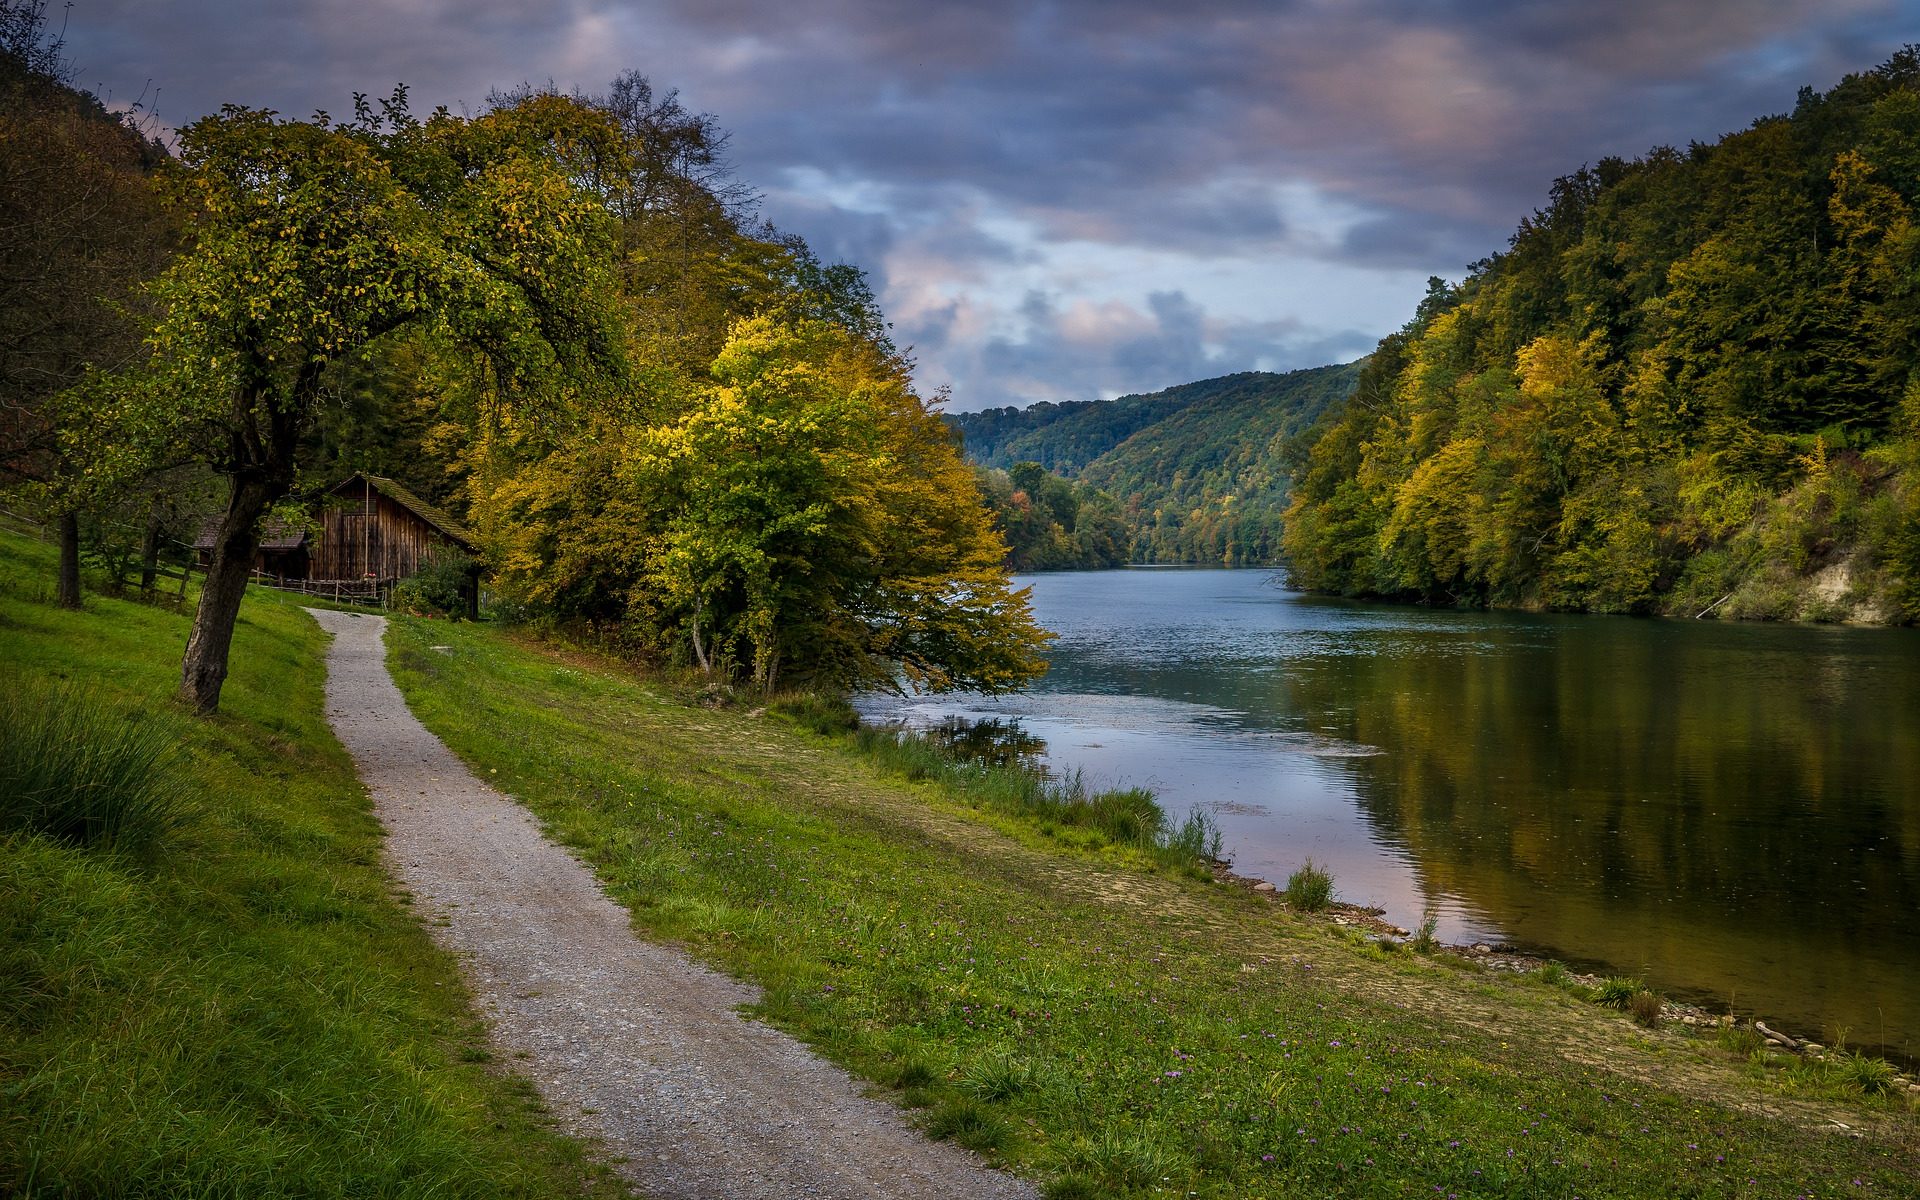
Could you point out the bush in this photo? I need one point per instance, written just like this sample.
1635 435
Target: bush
439 590
1309 889
75 769
1645 1008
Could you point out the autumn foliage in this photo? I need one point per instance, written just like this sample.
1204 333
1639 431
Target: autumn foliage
1687 386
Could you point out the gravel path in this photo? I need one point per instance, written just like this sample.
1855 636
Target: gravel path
631 1043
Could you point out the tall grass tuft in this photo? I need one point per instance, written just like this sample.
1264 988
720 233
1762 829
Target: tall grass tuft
1865 1073
1618 991
1309 889
78 770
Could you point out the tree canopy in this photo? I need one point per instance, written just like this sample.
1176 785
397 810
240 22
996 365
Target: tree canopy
664 419
1687 385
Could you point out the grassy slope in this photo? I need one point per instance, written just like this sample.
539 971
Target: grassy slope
252 1011
1103 1027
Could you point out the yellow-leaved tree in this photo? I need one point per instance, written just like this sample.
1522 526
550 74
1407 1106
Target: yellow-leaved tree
821 527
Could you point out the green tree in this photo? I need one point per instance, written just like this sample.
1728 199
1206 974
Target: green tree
310 241
823 526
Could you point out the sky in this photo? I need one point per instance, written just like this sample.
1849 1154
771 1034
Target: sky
1084 198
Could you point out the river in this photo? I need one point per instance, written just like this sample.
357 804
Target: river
1731 811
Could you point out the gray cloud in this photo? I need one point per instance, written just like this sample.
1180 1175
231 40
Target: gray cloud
1080 351
961 151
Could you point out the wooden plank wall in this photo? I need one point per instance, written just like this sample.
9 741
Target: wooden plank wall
384 539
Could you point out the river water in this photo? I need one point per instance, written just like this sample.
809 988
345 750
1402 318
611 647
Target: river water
1730 811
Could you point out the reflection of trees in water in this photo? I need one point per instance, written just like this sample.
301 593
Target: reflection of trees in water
1656 795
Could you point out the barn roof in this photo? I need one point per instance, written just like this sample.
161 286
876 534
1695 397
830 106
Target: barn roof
403 496
275 535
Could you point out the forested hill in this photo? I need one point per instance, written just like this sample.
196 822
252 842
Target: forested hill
1065 437
1190 474
1687 386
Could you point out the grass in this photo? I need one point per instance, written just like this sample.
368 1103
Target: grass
243 1008
1618 991
76 769
1309 889
1132 1030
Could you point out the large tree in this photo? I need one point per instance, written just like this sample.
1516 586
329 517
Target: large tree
311 241
822 525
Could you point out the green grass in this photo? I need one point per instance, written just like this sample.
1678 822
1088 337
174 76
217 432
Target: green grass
1309 889
1129 1029
77 769
244 1009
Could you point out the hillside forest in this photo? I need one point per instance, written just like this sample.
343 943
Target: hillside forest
1687 386
665 422
1192 474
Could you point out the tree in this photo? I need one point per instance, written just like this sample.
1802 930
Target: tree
824 526
81 226
310 242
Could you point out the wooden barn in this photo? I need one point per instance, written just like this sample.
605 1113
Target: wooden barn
374 528
373 533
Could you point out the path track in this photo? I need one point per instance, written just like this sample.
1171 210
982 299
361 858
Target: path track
631 1043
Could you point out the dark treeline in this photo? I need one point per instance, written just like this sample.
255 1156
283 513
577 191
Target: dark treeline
1687 386
1191 474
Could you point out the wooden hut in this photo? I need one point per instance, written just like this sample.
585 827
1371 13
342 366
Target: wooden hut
373 532
374 528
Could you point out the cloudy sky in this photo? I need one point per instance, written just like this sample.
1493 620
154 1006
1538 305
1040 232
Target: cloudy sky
1076 199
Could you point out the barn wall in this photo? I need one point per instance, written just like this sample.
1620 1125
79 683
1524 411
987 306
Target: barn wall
380 538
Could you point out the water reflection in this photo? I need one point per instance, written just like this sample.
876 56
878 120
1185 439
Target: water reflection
1733 811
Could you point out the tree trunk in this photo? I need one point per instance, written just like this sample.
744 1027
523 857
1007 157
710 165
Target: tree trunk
700 651
150 551
67 589
205 667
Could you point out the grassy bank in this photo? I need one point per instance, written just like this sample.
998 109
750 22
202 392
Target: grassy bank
1101 1020
237 1005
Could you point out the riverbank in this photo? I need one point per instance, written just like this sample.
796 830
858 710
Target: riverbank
1097 1022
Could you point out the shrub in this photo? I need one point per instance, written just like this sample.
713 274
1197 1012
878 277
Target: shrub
438 590
78 770
1645 1008
1309 889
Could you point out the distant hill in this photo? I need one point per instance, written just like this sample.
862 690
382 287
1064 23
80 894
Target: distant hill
1194 470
